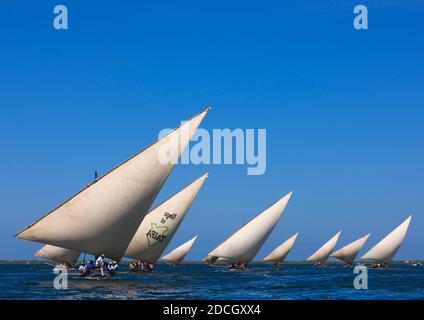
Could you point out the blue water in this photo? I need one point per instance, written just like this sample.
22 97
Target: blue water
189 282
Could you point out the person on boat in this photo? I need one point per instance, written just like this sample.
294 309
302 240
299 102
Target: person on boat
112 266
64 265
321 263
241 266
379 265
86 268
149 267
100 261
140 266
90 265
83 267
134 266
100 264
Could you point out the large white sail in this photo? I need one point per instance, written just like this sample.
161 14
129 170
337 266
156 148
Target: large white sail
146 245
160 225
280 254
349 252
245 244
178 255
103 218
387 248
324 252
58 255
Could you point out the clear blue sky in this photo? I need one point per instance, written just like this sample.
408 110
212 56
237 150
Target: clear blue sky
344 110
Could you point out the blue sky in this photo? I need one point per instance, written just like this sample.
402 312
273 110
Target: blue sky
343 110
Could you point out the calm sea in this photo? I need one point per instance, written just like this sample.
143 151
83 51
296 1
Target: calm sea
290 282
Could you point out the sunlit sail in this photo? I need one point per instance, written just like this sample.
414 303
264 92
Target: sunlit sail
244 245
387 248
160 225
321 256
280 254
58 255
349 252
178 255
103 218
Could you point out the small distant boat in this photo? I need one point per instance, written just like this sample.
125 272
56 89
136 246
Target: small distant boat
321 256
413 263
103 218
61 257
280 254
160 225
178 255
382 253
349 252
242 247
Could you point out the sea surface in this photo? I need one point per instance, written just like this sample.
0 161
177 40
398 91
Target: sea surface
189 282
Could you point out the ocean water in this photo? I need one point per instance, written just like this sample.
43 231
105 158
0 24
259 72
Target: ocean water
189 282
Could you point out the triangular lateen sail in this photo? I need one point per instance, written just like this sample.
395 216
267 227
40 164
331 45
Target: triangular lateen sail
103 218
58 255
139 248
349 252
245 244
387 248
324 252
178 255
160 225
280 254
